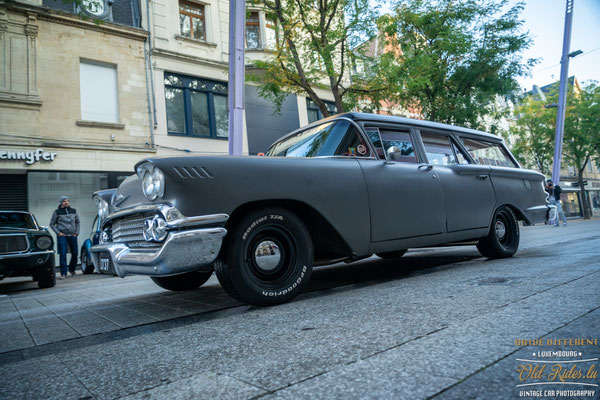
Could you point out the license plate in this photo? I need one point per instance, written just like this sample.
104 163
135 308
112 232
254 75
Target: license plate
105 264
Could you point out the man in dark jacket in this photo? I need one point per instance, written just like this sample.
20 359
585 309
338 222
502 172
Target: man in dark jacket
65 223
554 192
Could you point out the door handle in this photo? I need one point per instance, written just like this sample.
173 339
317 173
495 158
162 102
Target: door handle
426 167
483 177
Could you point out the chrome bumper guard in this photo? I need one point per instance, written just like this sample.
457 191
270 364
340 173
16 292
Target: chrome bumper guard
186 248
552 211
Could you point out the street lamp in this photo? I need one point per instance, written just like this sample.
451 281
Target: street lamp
562 92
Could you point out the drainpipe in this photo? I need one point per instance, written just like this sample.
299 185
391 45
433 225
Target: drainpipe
150 63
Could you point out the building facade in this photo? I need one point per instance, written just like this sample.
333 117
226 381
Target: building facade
73 103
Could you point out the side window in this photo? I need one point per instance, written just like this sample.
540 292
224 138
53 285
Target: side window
335 138
461 157
399 138
438 149
487 153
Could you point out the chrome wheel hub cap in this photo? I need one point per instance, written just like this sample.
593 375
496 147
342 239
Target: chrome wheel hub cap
500 230
267 255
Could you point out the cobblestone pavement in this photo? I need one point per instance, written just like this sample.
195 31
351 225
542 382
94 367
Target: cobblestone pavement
436 323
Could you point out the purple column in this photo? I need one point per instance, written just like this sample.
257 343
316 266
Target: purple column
562 93
237 19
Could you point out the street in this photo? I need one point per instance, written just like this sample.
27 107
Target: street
442 323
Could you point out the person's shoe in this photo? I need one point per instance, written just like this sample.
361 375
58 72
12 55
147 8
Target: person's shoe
557 226
564 224
73 273
62 276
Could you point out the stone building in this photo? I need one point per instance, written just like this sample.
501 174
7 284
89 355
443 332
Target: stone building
74 114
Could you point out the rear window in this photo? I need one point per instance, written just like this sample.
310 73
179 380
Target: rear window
335 138
487 153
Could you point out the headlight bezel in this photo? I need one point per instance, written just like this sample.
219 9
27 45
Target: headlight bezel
102 206
42 247
152 180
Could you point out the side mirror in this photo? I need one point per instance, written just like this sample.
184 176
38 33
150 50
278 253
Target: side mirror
390 154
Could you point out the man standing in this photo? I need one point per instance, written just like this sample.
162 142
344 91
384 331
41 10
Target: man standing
65 223
554 192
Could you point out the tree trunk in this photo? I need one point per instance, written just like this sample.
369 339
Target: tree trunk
585 204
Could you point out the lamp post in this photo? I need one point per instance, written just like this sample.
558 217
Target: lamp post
237 19
562 92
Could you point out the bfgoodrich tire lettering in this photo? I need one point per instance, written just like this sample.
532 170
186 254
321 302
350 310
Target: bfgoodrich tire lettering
503 239
269 258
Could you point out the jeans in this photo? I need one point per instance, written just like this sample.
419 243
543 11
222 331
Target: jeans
69 242
560 215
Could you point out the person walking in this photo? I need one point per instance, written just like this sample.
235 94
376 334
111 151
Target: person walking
554 192
65 223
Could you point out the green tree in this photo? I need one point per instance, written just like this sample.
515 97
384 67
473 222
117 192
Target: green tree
582 135
457 56
534 135
314 38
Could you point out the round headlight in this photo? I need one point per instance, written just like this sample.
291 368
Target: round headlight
158 179
43 242
102 209
148 185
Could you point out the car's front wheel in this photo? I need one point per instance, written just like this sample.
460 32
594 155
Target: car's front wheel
187 281
503 239
268 259
46 276
87 266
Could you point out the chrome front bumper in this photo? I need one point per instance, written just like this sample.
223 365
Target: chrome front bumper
187 247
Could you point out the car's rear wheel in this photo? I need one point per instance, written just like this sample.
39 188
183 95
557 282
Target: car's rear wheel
87 266
46 275
503 239
188 281
392 254
268 259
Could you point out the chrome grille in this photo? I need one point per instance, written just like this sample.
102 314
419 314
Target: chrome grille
13 243
130 230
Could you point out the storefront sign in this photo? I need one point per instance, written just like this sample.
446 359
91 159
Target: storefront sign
30 157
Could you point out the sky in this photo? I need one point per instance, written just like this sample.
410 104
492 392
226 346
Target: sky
545 21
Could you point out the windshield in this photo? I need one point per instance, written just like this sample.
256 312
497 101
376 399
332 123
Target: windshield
10 220
334 138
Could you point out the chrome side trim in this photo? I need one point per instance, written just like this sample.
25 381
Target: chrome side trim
173 217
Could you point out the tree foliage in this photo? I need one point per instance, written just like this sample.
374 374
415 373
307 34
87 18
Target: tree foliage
456 56
534 135
581 142
535 130
314 38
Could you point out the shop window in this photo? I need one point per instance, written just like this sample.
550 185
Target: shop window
196 107
192 20
98 91
571 204
314 113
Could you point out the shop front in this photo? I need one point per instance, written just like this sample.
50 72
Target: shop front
77 173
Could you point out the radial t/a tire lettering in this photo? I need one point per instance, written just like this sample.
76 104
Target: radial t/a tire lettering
268 259
503 239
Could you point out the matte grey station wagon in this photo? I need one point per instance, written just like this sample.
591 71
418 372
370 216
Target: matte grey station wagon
343 188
